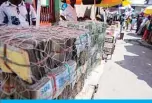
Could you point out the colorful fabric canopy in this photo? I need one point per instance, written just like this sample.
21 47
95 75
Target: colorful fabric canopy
78 2
101 3
148 10
86 2
126 2
110 3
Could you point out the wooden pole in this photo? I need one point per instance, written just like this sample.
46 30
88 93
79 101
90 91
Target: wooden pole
95 9
38 13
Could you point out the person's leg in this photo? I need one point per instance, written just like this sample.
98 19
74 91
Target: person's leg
137 28
145 35
121 29
131 26
150 36
140 29
127 26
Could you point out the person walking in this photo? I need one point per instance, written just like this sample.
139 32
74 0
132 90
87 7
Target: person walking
139 21
150 32
146 31
127 22
133 22
143 25
122 22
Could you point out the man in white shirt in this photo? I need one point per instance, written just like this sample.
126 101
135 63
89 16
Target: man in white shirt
69 12
16 12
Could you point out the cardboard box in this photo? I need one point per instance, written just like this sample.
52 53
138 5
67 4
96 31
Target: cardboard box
43 89
62 76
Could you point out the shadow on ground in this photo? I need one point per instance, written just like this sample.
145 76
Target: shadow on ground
140 63
134 35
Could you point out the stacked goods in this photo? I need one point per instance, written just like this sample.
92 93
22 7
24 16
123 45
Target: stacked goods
110 40
48 62
109 48
78 86
56 83
94 52
97 33
1 79
42 89
109 45
36 51
36 56
62 77
80 79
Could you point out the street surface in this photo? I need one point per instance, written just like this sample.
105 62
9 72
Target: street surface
129 74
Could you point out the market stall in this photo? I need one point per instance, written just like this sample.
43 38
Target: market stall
49 62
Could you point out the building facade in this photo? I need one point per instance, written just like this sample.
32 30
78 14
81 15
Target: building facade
140 6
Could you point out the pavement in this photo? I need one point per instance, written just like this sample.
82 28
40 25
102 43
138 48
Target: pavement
129 74
91 83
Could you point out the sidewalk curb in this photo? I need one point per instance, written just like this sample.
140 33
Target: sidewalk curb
91 83
145 44
142 43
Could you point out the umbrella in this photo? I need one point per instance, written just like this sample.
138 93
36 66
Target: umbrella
84 2
110 3
148 10
126 3
78 2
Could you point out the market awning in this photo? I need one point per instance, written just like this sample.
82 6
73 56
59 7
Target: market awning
148 10
101 3
126 2
84 2
110 3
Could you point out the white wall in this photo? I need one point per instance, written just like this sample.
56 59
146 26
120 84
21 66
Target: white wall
150 2
138 1
138 9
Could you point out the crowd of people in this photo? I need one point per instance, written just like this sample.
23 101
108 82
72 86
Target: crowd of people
145 28
140 23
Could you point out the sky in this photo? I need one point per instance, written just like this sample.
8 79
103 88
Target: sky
138 1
